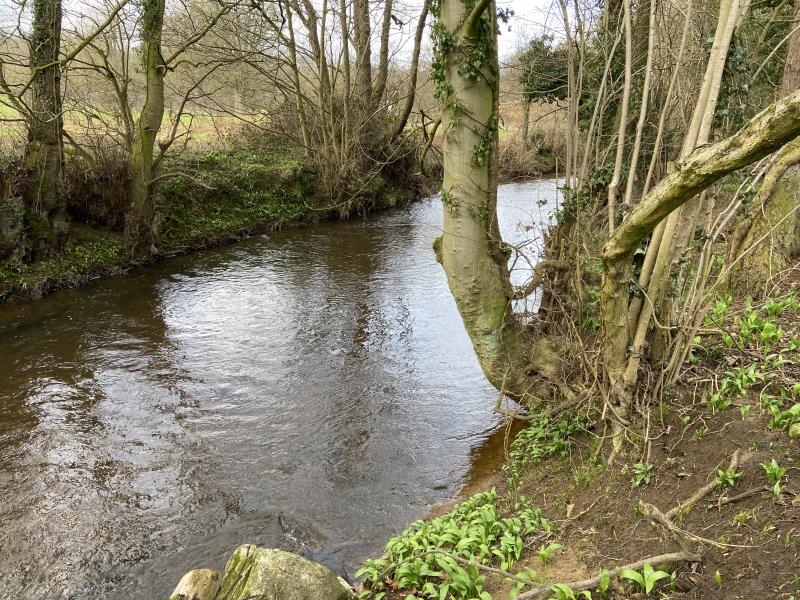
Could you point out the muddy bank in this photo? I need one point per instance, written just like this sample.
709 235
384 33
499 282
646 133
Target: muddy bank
706 497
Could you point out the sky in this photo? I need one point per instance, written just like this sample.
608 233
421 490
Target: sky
530 18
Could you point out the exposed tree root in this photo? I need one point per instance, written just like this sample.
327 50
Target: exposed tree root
543 590
681 536
737 459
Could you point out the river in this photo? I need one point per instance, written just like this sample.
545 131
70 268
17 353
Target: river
313 389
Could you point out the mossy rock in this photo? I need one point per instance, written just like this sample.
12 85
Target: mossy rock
267 574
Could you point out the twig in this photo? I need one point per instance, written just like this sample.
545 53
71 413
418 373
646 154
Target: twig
681 536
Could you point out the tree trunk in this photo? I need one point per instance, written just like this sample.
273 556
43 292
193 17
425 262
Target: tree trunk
362 35
767 242
140 223
298 90
766 132
526 123
412 82
471 250
45 206
383 64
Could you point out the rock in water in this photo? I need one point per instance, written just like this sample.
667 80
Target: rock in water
255 573
200 584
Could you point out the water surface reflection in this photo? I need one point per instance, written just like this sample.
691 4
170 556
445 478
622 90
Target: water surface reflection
313 390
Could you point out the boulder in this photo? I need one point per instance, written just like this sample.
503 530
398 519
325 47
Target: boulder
255 573
200 584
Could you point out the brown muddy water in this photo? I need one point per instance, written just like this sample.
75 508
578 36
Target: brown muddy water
312 390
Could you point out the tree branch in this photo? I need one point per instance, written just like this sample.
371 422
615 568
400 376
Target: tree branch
538 276
78 49
471 24
766 132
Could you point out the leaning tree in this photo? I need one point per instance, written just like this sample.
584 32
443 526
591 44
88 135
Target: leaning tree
515 356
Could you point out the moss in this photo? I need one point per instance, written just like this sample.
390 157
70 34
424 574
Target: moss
437 248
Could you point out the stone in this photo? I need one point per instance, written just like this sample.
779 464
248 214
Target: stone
200 584
255 573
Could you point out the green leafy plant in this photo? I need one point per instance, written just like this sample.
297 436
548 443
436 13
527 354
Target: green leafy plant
735 384
770 334
605 581
546 553
647 579
727 478
775 474
563 592
543 438
720 309
422 560
718 402
783 419
642 473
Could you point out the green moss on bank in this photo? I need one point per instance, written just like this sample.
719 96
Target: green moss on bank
235 192
245 192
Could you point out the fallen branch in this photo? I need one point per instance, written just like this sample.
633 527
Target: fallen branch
180 174
590 584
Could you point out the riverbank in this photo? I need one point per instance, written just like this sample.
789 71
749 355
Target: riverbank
232 194
707 495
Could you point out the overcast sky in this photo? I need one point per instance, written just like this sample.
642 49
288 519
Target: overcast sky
531 17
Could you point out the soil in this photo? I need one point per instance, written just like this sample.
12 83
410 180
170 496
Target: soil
752 545
762 533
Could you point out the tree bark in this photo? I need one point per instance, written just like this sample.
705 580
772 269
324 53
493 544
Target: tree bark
766 132
383 64
412 83
140 224
526 123
45 206
767 241
298 90
472 252
362 37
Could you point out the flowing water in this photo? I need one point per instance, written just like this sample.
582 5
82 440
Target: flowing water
312 390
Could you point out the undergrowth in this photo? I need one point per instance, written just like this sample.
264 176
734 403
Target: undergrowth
442 558
435 558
